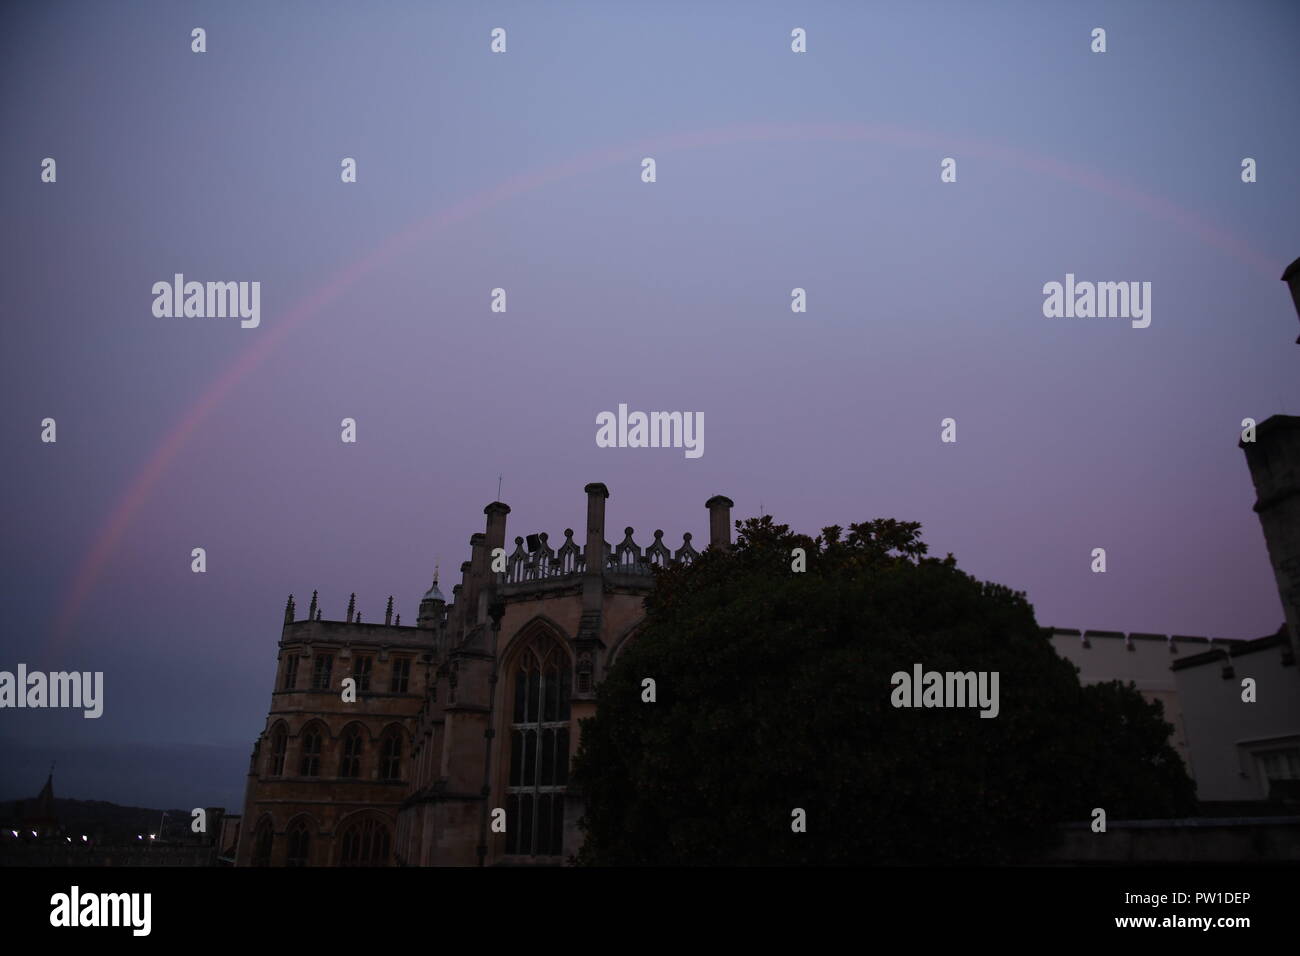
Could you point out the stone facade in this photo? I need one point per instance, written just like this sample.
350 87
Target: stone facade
1242 750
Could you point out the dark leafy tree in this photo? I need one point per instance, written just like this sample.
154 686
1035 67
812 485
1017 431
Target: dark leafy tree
774 693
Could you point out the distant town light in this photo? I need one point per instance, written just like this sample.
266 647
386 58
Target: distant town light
153 836
83 838
33 833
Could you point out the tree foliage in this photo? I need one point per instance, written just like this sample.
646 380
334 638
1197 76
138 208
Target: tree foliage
773 693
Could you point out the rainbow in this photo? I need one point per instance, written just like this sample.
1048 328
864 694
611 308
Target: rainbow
139 488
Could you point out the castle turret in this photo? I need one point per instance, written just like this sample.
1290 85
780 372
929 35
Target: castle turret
431 606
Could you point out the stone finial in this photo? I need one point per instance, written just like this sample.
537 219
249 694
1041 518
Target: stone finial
686 553
627 553
352 606
658 552
311 611
388 614
288 610
399 621
318 614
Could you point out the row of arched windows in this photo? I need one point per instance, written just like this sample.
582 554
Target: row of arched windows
537 707
363 841
352 754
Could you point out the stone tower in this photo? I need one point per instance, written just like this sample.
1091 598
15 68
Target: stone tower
1274 461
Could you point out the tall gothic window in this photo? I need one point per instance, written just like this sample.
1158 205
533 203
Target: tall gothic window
361 670
390 763
401 678
291 671
262 841
279 742
299 844
351 763
320 675
364 842
539 750
309 766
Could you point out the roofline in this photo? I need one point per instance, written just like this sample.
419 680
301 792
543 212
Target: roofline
1234 650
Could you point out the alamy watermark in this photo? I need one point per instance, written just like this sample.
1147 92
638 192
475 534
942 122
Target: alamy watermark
948 689
56 689
652 430
1102 300
210 300
75 908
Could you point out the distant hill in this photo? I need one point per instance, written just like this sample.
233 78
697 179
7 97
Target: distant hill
105 822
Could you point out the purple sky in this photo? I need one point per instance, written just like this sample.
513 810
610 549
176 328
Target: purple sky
522 170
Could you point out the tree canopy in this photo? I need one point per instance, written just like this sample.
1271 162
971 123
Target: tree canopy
773 694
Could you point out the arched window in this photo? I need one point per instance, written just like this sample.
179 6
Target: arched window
364 842
390 762
539 750
350 765
309 764
262 842
279 742
299 844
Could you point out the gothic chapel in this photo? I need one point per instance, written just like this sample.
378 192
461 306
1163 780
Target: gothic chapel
473 710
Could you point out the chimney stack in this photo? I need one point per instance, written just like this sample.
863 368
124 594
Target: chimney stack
720 521
595 553
496 525
478 567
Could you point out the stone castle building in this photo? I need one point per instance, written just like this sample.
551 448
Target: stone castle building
474 708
